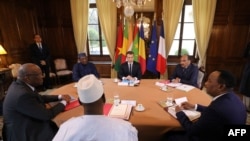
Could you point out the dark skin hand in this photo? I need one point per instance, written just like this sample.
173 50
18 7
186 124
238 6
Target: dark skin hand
184 105
67 98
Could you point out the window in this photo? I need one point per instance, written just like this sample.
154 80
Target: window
184 40
96 41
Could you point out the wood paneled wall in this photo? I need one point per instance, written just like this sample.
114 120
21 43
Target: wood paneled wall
20 20
52 19
229 37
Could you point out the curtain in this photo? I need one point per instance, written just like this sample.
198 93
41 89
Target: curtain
171 14
203 11
79 13
107 13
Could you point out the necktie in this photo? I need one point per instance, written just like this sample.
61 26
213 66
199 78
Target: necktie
130 69
40 47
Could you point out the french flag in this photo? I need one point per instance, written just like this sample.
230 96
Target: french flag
161 57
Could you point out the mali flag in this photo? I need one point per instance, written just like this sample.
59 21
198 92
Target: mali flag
142 54
118 53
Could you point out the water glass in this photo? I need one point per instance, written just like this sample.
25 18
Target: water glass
116 99
170 99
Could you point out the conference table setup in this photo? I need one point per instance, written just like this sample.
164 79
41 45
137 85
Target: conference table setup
153 121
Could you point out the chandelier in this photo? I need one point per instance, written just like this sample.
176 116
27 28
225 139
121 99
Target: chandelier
128 5
124 3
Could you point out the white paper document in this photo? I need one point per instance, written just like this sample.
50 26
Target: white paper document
120 111
122 83
185 87
191 114
129 102
178 101
174 84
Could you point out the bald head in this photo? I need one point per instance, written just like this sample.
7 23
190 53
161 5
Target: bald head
31 74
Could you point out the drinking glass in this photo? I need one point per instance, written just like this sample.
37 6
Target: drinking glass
116 99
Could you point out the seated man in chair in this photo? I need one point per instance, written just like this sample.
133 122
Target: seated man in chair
83 67
130 70
185 72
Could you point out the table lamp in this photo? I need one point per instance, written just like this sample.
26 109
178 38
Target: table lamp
2 52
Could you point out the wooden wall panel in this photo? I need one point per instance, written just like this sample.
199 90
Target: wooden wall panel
16 25
229 37
52 19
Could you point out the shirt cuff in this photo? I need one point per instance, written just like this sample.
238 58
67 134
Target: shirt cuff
59 97
63 102
195 107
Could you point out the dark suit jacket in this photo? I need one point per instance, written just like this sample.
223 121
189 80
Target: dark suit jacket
225 110
25 116
124 70
37 55
188 76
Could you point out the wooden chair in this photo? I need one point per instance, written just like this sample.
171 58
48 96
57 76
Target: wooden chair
14 70
201 77
61 69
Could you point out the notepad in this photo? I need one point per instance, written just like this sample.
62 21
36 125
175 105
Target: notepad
174 84
191 114
120 111
185 87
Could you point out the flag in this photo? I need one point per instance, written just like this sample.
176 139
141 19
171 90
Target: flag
161 58
130 36
142 54
151 62
124 43
118 55
135 48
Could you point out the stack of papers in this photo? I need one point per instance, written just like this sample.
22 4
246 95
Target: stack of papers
162 83
174 84
191 114
185 87
122 83
120 111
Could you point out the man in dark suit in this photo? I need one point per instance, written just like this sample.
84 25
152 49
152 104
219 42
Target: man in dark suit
40 55
26 117
130 70
225 109
185 72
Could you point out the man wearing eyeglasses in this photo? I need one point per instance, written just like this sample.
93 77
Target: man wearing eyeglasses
26 117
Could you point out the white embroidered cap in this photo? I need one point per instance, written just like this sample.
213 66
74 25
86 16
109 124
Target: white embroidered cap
89 89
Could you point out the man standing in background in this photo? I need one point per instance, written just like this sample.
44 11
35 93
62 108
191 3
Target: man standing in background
40 55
